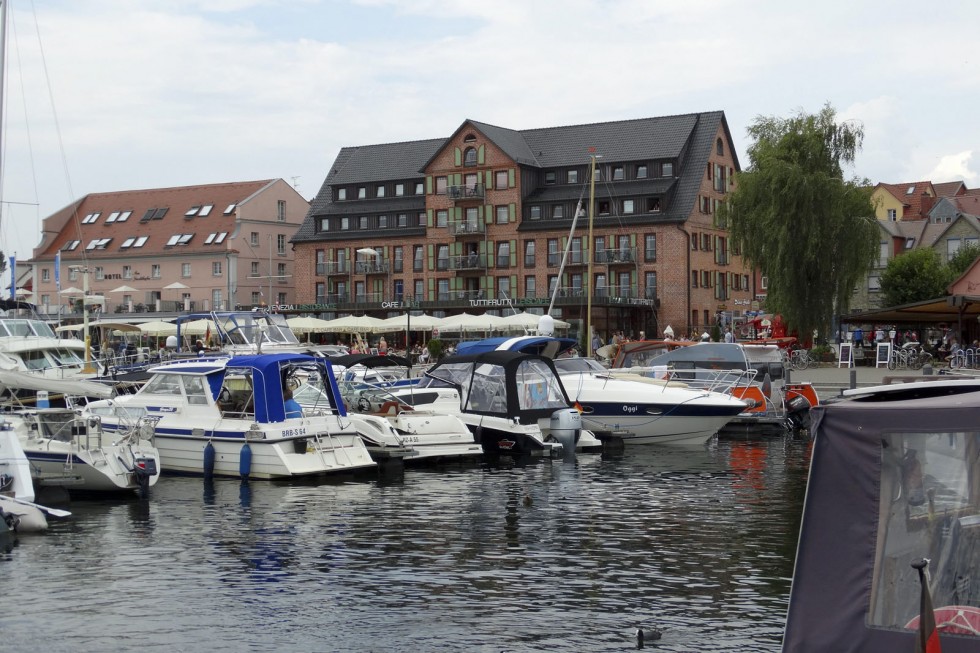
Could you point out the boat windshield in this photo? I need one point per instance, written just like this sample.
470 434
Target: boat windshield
26 328
579 365
538 387
250 328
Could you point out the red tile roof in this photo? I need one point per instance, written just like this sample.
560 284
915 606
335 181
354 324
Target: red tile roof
969 204
171 206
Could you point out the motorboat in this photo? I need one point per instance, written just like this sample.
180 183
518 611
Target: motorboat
387 422
513 402
17 510
754 373
226 416
70 450
894 482
28 344
640 411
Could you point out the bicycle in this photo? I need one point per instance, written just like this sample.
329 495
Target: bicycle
800 359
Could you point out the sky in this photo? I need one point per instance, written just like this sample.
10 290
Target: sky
111 95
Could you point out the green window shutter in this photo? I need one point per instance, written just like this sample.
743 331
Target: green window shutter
513 285
432 289
458 212
428 184
512 216
458 156
491 253
481 155
429 218
511 178
432 257
513 255
479 212
490 287
489 183
488 215
459 178
633 240
483 247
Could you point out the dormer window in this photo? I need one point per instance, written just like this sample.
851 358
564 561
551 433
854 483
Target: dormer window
98 243
179 239
70 245
341 193
91 218
720 147
910 190
230 209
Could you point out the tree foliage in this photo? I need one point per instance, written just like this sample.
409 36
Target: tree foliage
916 276
962 259
797 220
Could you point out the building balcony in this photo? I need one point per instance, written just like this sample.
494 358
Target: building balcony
468 262
467 228
466 192
332 268
460 295
575 257
622 255
372 267
368 298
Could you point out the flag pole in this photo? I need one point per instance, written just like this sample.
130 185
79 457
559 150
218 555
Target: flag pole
927 637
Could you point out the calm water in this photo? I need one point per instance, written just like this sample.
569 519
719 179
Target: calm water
697 542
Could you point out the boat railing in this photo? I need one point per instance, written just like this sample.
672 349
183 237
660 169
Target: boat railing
726 381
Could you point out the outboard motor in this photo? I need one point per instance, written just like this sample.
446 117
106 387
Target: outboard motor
798 413
566 427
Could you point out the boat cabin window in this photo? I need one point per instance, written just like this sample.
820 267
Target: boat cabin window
488 393
235 399
929 507
35 360
538 386
194 389
66 357
162 384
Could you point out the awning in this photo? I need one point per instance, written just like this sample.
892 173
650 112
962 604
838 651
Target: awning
946 309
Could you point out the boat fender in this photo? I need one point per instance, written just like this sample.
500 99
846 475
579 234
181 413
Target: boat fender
245 462
208 460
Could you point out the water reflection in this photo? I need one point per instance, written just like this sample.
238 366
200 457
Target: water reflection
544 555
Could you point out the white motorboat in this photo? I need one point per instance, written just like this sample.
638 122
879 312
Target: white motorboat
384 420
16 488
638 412
28 344
226 416
73 451
512 401
754 373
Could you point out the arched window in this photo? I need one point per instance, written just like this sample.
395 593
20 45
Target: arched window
469 156
720 147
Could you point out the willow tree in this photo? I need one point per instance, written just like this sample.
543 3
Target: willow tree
799 221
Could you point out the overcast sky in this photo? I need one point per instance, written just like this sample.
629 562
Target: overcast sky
136 94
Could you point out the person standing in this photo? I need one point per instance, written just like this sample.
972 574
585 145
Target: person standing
383 346
729 338
858 337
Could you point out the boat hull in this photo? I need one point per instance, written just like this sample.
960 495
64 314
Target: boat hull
275 458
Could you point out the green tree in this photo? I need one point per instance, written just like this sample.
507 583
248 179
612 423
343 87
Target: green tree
797 220
914 277
962 259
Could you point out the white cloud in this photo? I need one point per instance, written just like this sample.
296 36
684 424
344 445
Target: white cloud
952 167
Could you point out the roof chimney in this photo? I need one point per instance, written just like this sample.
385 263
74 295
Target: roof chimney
928 201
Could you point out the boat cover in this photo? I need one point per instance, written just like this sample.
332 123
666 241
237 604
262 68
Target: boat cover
894 478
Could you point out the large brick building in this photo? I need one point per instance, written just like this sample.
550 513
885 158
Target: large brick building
479 221
207 247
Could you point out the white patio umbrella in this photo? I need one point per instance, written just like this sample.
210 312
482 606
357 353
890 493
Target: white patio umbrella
527 321
197 327
176 285
467 322
308 325
355 324
158 328
71 291
124 289
415 323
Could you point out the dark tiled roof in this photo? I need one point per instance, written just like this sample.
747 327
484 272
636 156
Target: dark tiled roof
370 163
177 201
375 206
687 138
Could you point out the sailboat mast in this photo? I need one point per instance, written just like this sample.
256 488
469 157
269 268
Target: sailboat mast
589 254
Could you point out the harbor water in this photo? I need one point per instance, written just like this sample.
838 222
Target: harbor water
562 555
